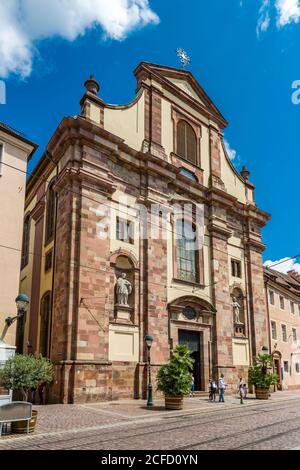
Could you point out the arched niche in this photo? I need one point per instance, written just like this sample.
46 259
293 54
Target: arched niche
238 312
124 282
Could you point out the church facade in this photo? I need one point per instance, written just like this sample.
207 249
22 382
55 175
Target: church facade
137 223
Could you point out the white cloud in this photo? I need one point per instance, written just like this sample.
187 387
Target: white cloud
287 11
285 265
232 154
24 22
264 17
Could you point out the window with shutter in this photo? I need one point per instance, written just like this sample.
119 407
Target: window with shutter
45 324
50 217
26 242
186 142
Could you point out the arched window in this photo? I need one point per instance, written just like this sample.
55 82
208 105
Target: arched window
45 313
186 142
188 174
26 242
50 216
186 251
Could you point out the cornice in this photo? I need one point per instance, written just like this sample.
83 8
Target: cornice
256 244
281 289
83 175
72 131
38 211
219 230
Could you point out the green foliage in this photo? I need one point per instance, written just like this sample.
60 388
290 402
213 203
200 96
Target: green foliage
259 375
174 378
25 373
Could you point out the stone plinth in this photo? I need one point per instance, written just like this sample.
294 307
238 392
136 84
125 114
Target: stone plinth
123 312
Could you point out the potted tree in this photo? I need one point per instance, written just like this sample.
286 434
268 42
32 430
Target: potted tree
261 378
26 373
174 378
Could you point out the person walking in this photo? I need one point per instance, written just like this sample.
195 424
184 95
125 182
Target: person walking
240 389
212 390
192 390
222 387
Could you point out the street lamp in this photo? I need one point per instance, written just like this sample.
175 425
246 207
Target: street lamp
149 341
22 302
265 349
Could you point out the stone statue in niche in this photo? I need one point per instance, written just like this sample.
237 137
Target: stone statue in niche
236 310
124 289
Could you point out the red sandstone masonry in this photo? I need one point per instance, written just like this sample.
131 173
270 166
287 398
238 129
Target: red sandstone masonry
215 157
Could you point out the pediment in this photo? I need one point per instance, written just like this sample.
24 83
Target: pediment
187 88
183 81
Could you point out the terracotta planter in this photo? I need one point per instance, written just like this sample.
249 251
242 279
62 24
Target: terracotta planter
174 403
20 427
262 393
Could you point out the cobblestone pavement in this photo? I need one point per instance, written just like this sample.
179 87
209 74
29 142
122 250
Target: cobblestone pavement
129 425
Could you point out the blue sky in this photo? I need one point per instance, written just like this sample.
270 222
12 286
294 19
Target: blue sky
244 53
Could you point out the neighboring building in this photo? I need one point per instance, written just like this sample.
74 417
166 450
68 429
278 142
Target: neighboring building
15 152
165 148
283 295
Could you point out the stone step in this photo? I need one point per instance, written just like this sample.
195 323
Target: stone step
200 394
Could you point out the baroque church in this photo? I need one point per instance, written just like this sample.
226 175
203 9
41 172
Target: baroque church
97 284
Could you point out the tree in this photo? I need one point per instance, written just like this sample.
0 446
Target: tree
26 373
259 375
174 378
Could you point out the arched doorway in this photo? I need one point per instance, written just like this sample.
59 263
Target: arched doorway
191 323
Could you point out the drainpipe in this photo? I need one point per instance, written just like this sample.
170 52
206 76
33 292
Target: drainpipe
269 333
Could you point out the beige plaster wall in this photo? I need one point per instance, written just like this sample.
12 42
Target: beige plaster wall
290 351
127 122
236 252
167 131
186 87
123 343
12 195
241 353
233 183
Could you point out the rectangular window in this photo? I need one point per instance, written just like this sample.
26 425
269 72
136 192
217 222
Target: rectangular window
125 231
286 366
273 328
282 302
299 310
48 261
236 268
283 333
292 307
297 367
294 335
1 157
271 297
